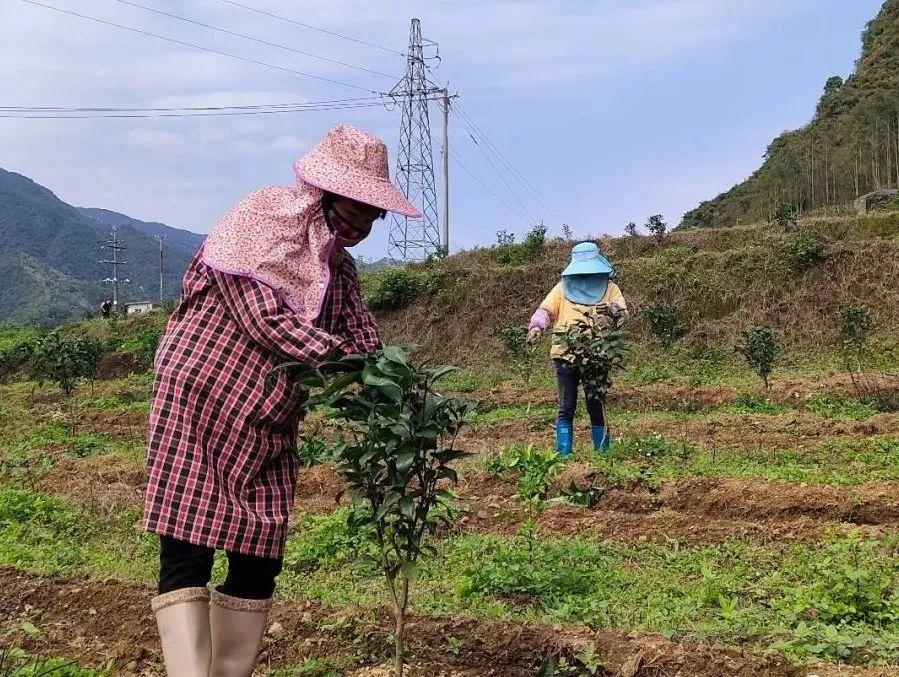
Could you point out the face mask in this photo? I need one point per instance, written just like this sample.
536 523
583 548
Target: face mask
585 290
347 233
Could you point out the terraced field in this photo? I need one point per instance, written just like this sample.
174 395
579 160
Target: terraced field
726 534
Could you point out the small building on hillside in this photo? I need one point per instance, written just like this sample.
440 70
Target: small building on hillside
141 307
865 202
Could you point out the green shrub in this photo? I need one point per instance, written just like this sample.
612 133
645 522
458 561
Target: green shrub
143 345
598 346
761 349
785 215
508 253
396 287
804 250
665 323
854 332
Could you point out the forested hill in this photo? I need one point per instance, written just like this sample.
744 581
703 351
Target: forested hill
50 254
850 147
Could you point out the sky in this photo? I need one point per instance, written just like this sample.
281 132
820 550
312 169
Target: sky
611 110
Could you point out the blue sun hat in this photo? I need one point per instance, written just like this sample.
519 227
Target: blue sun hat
586 278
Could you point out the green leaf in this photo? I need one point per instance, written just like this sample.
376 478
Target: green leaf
30 629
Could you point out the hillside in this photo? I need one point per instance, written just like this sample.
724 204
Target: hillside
720 281
849 148
50 253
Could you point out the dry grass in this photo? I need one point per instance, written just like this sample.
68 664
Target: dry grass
721 280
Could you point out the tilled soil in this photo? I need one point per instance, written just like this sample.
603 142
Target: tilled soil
655 396
691 510
94 622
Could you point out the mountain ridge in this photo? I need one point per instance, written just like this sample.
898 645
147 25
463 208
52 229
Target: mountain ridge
50 253
850 146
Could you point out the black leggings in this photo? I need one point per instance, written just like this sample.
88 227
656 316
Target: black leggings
568 378
185 565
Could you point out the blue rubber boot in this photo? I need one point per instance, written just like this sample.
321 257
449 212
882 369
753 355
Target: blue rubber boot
602 439
564 437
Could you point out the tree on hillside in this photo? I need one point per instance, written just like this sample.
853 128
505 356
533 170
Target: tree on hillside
631 230
656 227
831 88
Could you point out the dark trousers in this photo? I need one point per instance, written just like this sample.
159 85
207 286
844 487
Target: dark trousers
185 565
568 378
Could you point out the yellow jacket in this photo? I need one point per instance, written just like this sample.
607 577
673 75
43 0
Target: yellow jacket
561 312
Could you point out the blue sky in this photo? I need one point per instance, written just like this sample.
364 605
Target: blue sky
613 109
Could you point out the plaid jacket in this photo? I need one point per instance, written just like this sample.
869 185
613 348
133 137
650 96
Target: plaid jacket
222 465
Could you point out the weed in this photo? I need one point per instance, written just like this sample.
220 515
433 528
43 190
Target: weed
17 663
832 406
313 450
143 344
586 497
752 404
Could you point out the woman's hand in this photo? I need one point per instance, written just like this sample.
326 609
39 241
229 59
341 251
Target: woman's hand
534 335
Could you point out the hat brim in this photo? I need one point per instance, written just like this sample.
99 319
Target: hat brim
368 189
594 267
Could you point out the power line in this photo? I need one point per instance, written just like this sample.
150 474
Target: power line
107 109
195 46
311 27
508 185
253 38
75 115
483 185
515 173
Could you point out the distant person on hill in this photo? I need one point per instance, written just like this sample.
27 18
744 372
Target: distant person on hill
106 308
586 283
273 282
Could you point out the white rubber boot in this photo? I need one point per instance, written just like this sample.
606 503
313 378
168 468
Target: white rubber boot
236 626
183 620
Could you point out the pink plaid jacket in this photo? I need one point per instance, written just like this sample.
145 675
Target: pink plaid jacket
222 465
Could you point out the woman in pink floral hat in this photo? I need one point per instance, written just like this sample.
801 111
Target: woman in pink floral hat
272 282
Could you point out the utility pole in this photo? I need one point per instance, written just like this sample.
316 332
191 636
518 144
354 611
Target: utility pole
446 192
112 244
160 238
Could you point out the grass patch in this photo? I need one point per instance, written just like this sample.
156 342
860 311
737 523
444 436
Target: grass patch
837 600
15 662
539 415
654 458
50 536
833 406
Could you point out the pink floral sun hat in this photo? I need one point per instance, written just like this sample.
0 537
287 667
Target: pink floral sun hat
353 164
